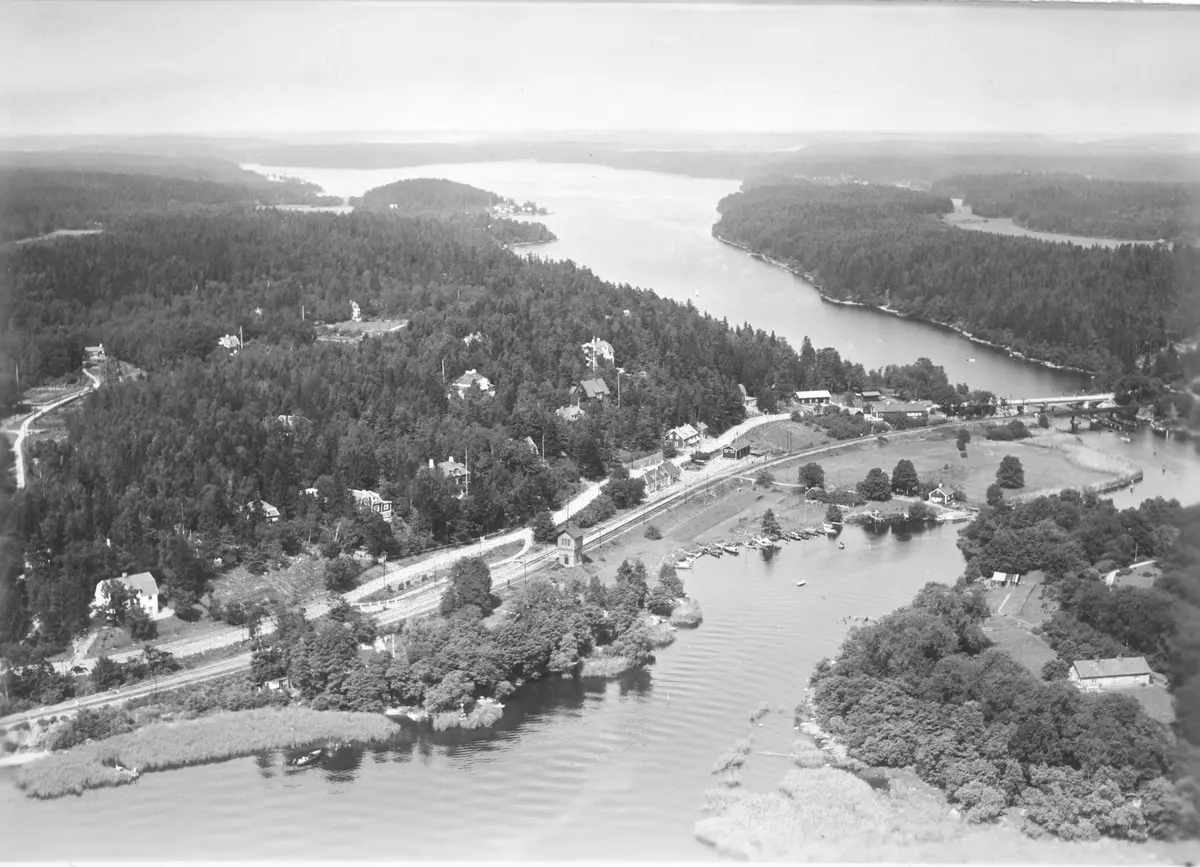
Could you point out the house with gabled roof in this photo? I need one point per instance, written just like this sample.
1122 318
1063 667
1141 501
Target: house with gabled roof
1099 674
570 413
141 586
940 496
569 551
594 389
683 437
369 501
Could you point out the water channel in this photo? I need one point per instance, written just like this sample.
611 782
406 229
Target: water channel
594 770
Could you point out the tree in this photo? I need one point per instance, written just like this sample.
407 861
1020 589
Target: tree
964 437
117 601
995 495
340 574
812 475
876 486
544 530
770 526
833 514
668 576
764 478
141 627
904 477
1043 420
1010 474
470 584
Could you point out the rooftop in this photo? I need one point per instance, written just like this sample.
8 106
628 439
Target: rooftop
1124 667
143 582
595 388
897 406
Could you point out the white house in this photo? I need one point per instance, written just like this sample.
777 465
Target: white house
940 496
95 354
1098 674
372 502
268 512
598 349
231 342
142 585
814 398
569 413
683 437
470 378
457 473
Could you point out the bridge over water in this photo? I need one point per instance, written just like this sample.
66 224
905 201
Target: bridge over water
1081 401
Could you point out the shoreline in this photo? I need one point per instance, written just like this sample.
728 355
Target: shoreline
807 277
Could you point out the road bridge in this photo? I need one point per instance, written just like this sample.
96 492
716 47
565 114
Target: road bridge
1065 400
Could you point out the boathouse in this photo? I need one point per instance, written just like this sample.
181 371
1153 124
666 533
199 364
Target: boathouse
940 496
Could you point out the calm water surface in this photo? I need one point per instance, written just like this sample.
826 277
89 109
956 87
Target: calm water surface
964 218
597 770
575 771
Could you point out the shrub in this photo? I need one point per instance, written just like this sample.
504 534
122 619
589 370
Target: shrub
999 434
652 532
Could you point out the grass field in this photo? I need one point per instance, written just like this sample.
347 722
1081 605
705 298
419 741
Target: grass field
1022 645
936 457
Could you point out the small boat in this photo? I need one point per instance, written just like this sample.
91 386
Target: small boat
308 758
801 583
972 360
1126 440
685 563
714 551
729 548
841 546
829 528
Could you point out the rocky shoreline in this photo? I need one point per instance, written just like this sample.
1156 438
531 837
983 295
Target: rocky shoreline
808 277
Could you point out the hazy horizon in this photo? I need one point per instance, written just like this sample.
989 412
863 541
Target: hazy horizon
265 70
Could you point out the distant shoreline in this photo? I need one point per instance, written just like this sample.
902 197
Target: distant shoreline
891 311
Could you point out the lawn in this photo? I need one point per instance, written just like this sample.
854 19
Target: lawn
936 457
1022 645
783 436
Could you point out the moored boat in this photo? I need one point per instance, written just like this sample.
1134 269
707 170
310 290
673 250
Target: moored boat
801 583
729 548
308 758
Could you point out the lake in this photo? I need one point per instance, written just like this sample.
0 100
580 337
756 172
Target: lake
596 770
654 231
964 218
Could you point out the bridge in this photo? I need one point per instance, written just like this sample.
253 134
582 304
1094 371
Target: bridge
1081 401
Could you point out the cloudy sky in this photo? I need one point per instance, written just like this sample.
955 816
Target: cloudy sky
226 67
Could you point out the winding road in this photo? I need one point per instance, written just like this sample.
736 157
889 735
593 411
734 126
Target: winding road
23 431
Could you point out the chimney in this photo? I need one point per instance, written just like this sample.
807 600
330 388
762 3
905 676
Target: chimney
431 463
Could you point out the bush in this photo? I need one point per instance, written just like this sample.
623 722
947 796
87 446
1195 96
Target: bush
812 476
543 527
340 574
764 478
88 724
652 532
999 434
600 509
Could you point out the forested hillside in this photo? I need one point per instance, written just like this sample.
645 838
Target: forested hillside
428 196
1075 205
1098 309
162 468
36 201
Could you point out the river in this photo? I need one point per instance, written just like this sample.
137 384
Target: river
598 770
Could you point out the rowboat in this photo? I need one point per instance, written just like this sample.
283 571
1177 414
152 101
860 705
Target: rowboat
801 583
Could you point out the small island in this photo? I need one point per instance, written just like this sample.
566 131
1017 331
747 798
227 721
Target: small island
461 203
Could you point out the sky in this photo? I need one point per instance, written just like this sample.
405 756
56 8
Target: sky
95 68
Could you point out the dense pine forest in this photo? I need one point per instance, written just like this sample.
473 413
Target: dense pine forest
156 473
35 200
461 203
1097 309
1076 205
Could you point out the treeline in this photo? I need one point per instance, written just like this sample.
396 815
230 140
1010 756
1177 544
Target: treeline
1094 308
1077 205
923 688
36 201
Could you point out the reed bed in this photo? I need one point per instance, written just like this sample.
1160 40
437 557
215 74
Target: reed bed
165 745
687 614
484 714
814 808
761 711
605 666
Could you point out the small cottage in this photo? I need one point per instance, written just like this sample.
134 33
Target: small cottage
683 437
940 496
370 501
819 397
570 547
